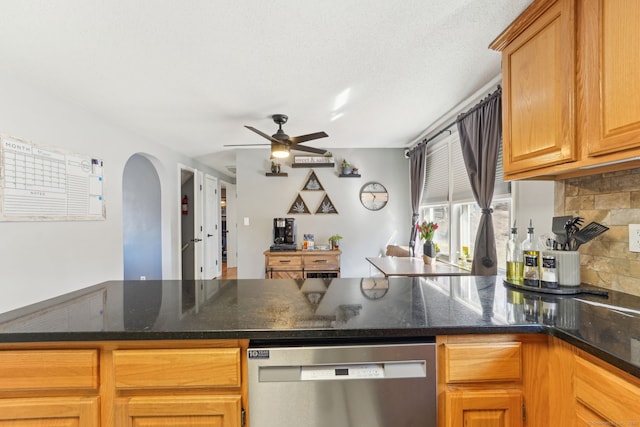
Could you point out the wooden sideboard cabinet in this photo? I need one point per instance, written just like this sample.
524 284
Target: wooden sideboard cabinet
492 381
302 264
571 97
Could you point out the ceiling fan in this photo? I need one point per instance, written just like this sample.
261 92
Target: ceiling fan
281 143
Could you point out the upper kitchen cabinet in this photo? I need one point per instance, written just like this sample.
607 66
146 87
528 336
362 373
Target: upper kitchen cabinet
571 96
538 69
611 75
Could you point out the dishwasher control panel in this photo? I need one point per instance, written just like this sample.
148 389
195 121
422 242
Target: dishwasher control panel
333 372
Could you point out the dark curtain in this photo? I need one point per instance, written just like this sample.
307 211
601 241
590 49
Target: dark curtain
480 131
417 157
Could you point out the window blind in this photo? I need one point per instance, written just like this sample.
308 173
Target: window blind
446 178
436 177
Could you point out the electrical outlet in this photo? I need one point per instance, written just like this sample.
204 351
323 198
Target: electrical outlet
143 277
634 237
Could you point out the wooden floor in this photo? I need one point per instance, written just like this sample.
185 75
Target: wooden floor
228 273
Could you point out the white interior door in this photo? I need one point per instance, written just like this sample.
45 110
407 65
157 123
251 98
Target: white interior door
211 199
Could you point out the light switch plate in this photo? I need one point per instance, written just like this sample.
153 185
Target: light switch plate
634 237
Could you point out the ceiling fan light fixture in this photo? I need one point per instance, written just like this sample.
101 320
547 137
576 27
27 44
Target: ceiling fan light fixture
279 150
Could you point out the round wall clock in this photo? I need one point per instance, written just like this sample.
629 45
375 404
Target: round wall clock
374 287
374 196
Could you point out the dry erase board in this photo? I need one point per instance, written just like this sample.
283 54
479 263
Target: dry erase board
48 184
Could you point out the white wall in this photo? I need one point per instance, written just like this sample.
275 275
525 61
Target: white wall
39 260
534 201
366 233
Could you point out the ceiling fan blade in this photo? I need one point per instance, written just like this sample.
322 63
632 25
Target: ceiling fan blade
309 137
308 149
264 135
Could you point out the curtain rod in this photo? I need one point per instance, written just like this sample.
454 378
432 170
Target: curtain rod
461 116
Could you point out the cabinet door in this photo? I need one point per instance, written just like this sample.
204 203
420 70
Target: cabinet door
49 412
183 411
612 37
603 395
538 72
484 408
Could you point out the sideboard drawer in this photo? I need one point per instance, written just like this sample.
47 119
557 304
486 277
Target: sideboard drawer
177 368
322 262
284 261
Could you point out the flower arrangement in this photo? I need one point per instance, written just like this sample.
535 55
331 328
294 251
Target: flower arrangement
427 230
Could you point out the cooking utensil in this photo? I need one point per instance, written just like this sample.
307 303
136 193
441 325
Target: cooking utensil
571 228
588 233
558 228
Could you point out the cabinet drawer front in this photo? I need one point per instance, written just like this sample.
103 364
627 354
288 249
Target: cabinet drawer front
285 261
605 393
48 369
183 368
483 362
50 411
321 262
157 411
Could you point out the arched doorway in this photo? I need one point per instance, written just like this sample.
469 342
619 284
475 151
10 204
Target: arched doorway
141 220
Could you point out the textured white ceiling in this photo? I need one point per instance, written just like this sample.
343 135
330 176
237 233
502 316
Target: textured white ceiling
190 74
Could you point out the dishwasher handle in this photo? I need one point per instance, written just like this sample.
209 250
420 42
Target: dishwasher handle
343 372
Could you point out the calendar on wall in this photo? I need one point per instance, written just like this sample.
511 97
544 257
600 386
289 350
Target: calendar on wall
48 184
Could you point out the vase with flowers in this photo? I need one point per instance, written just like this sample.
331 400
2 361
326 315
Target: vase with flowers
427 231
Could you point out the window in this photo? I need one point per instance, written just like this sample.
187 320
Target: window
447 199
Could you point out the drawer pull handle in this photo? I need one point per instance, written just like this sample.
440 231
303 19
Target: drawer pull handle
284 261
321 260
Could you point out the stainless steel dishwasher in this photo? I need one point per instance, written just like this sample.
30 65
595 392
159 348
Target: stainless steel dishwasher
313 385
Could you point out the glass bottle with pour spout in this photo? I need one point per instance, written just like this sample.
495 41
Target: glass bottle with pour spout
531 256
515 264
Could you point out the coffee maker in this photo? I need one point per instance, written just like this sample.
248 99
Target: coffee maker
284 234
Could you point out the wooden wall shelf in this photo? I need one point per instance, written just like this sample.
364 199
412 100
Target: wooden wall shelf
276 174
312 165
351 175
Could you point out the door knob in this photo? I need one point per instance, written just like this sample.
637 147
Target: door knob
196 240
209 235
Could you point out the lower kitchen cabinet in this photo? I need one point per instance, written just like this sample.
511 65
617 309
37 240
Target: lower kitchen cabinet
124 384
484 408
588 391
50 387
492 381
50 411
604 398
184 411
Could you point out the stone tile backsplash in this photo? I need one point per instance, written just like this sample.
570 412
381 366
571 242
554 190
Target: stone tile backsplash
611 199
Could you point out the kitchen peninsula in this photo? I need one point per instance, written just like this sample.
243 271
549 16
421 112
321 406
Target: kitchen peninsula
123 350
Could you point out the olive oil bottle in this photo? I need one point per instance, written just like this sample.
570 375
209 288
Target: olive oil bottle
515 264
531 256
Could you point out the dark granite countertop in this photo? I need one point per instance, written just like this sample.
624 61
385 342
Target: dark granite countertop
330 309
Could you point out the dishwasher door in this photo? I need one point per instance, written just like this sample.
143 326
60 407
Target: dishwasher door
381 385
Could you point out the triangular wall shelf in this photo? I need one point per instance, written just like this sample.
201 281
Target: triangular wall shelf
299 207
313 183
326 206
